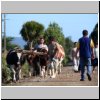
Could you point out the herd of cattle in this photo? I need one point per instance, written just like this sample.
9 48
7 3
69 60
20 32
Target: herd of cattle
39 63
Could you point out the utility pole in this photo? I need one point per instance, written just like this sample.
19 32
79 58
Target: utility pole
4 32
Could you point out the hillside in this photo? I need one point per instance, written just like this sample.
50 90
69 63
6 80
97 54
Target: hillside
19 41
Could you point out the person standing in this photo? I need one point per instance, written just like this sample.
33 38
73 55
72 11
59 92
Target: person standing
75 58
41 45
41 60
86 51
95 60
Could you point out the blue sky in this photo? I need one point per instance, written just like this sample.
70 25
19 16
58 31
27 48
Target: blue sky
71 24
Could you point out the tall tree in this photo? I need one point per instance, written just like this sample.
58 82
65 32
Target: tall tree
69 45
68 49
55 30
94 34
30 32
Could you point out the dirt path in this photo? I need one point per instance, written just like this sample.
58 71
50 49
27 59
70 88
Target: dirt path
67 78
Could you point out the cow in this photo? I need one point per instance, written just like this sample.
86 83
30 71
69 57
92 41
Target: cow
40 62
28 56
37 61
13 60
55 63
16 59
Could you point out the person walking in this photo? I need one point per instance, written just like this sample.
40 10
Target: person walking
85 47
56 55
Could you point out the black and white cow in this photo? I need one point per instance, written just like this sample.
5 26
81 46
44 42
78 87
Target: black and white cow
37 63
13 59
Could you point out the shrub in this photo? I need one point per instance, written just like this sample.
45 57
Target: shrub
6 73
25 70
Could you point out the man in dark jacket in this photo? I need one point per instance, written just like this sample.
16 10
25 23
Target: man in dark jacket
85 48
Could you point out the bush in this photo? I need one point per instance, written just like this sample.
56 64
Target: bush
25 70
65 61
6 73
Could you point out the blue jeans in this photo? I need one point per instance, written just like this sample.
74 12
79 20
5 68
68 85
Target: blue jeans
85 62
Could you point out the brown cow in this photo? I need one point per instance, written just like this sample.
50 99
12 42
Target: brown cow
55 61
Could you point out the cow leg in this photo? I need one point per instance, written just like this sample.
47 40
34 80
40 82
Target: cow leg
43 71
39 68
18 73
52 70
13 73
53 73
30 71
20 77
49 69
59 68
56 65
46 71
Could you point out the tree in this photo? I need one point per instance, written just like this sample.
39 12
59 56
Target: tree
30 32
94 34
9 45
68 49
55 30
69 45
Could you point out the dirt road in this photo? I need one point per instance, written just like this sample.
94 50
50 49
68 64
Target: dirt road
67 78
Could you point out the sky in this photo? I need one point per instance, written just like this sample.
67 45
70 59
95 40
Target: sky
71 24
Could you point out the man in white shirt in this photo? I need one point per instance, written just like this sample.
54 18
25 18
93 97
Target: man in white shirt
95 60
41 60
75 57
41 45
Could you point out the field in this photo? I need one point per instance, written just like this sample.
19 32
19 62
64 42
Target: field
67 78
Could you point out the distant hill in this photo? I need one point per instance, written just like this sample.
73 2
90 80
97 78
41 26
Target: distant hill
19 41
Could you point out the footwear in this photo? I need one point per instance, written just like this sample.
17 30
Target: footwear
81 79
75 71
89 77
